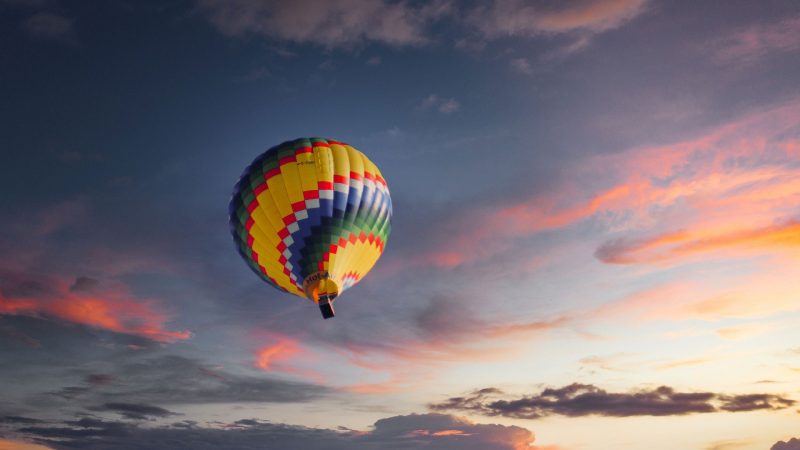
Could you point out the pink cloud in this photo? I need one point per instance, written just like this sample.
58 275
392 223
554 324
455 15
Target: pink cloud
33 280
450 433
746 46
596 15
516 17
347 23
284 354
735 183
494 228
277 353
762 293
111 308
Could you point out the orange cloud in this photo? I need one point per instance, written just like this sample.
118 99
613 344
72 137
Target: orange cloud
748 45
110 309
438 433
784 236
726 192
596 15
497 227
450 433
7 444
280 352
768 290
286 355
683 363
744 331
517 17
721 189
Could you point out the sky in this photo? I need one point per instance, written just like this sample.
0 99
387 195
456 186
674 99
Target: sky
595 238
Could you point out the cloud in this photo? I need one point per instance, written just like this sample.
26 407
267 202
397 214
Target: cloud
283 350
83 284
441 104
100 379
329 23
728 445
112 308
754 402
771 290
744 331
346 23
78 368
446 331
577 400
521 18
791 444
682 243
18 420
47 25
522 65
173 379
8 444
756 42
439 431
683 363
134 411
498 225
9 331
734 188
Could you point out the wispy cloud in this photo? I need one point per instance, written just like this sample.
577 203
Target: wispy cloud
755 42
134 411
283 350
680 244
744 331
734 187
577 400
728 445
505 223
520 18
345 23
48 25
329 23
683 363
284 354
437 103
761 294
522 65
446 332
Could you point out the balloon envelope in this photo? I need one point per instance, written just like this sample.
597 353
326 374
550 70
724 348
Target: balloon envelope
311 217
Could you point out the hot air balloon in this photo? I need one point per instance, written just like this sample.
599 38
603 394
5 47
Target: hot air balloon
311 217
